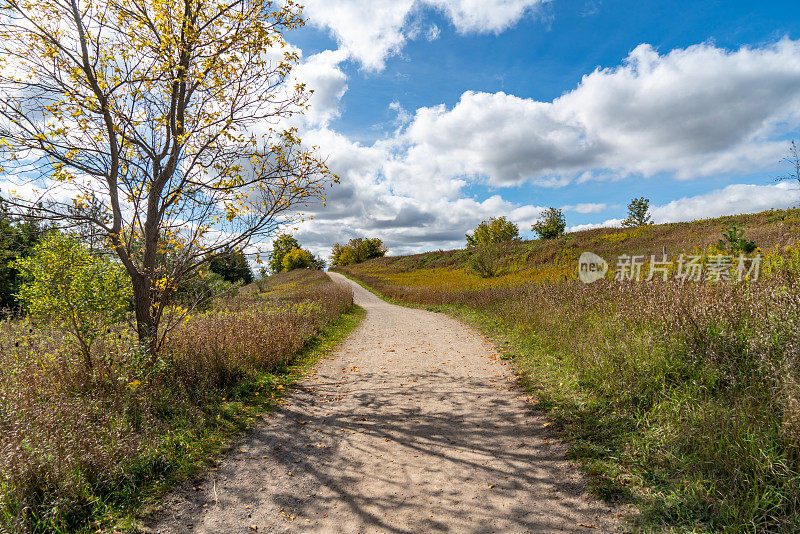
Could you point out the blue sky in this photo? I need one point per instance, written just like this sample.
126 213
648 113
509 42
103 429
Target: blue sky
440 113
543 55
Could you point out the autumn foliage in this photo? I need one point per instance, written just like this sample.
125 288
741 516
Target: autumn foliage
143 121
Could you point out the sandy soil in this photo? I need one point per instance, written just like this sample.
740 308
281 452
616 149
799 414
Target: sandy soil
413 425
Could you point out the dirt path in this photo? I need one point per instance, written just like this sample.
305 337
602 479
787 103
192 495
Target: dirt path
413 425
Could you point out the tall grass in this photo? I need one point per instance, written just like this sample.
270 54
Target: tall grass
684 398
70 444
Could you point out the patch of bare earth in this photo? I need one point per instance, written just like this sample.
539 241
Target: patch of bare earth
412 425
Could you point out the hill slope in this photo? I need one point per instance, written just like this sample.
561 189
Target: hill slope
773 231
681 398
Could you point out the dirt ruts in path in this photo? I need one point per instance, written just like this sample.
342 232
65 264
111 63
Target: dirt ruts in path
413 425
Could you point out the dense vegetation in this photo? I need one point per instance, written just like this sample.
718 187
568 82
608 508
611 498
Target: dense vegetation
232 267
287 255
551 224
18 236
493 231
681 398
357 250
79 447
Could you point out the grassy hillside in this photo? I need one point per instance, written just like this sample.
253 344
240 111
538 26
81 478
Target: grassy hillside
777 233
681 399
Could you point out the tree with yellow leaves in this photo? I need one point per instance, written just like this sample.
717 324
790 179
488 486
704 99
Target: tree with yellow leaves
160 125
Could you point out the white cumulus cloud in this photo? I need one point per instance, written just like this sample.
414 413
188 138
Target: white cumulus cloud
692 112
321 74
732 200
372 30
686 114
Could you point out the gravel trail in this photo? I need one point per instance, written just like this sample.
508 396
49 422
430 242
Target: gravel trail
413 425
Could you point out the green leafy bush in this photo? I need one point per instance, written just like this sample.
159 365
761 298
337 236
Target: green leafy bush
283 244
551 224
483 260
297 258
288 255
493 230
357 250
733 241
232 266
67 287
638 213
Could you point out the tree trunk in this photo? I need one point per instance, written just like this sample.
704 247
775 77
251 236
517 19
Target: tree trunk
146 324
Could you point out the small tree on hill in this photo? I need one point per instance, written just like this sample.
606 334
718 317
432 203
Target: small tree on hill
793 160
281 246
638 213
342 255
287 254
493 230
551 224
484 258
297 258
734 242
357 250
370 248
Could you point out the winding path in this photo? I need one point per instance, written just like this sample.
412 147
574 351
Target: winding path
413 425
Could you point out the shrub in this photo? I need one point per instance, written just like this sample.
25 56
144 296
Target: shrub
232 267
297 258
734 242
69 288
483 260
638 213
283 244
494 230
551 224
288 255
356 251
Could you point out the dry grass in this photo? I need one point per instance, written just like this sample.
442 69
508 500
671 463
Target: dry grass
683 398
71 445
